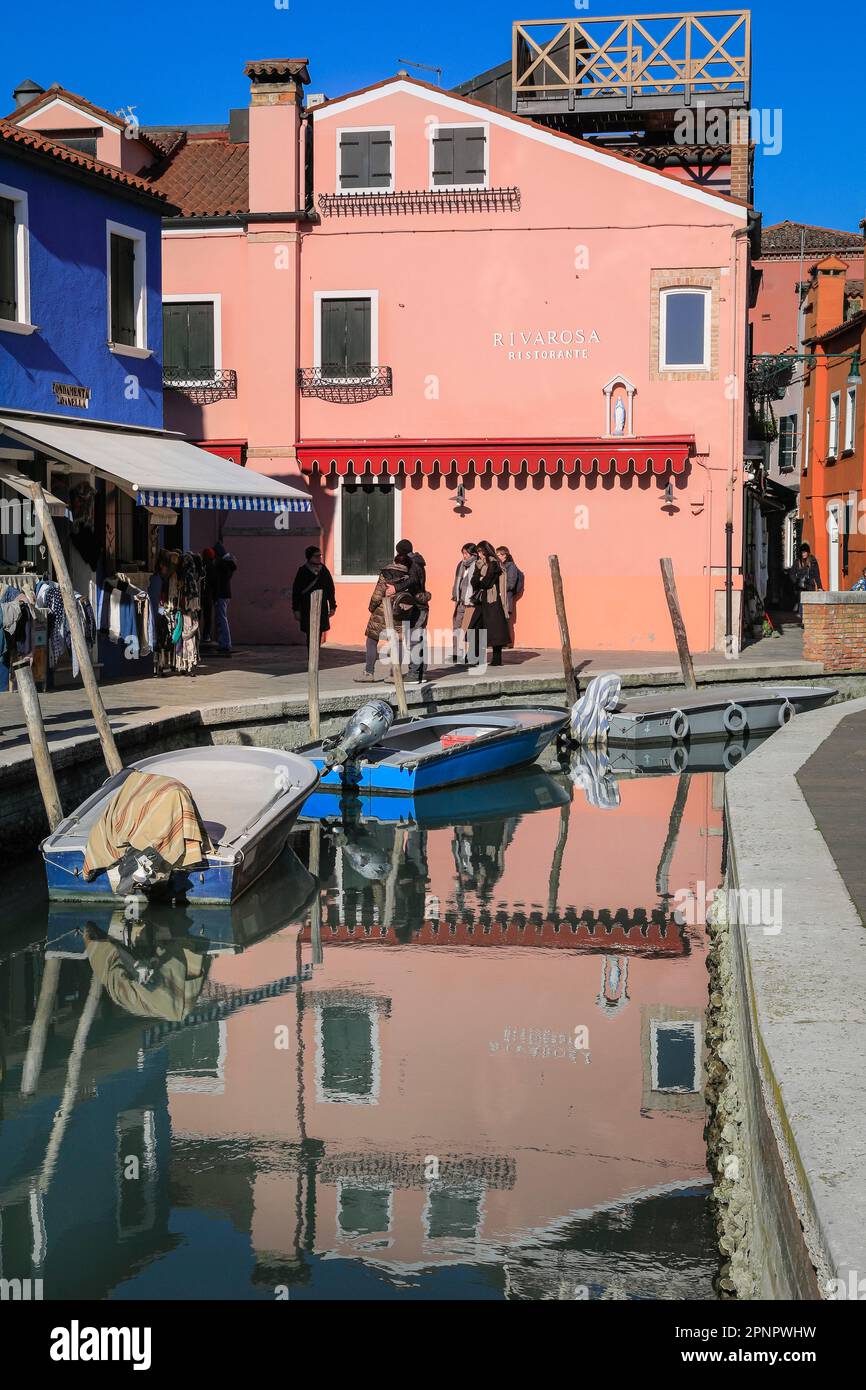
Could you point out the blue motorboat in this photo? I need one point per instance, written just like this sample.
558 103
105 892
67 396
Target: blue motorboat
527 790
443 750
247 798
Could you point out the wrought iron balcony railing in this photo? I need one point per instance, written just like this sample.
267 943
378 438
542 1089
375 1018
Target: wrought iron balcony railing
345 390
203 388
642 61
419 200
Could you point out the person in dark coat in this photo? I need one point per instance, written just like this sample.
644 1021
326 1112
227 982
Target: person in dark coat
312 575
225 566
393 583
805 576
487 602
415 636
460 598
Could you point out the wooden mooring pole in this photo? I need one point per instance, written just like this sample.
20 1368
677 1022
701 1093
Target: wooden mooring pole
113 760
571 686
396 652
313 661
679 626
26 686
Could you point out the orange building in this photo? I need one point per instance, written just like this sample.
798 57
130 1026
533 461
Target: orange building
833 488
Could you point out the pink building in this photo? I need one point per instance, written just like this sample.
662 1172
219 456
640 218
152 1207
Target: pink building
454 323
458 324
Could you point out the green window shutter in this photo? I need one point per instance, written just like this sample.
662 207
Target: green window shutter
175 339
123 290
201 341
469 155
358 337
367 526
354 159
443 156
8 294
380 159
346 345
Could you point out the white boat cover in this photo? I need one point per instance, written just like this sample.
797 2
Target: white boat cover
160 470
590 715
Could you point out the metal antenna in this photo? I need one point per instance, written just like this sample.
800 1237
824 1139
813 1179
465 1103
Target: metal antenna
426 66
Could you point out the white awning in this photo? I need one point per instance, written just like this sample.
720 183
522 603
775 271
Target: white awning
18 483
160 470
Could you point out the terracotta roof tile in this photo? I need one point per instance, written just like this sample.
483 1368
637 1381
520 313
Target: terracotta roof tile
208 176
783 239
264 69
28 139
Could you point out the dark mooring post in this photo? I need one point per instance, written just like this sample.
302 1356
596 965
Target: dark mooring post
679 626
571 688
26 686
313 661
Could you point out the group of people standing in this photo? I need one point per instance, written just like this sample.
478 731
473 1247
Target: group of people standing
487 586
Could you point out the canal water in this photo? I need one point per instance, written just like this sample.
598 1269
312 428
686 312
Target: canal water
462 1059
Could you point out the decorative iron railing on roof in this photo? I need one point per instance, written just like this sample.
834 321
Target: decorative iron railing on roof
203 388
419 200
661 60
345 390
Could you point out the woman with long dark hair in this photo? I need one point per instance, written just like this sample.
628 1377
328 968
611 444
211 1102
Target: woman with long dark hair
487 602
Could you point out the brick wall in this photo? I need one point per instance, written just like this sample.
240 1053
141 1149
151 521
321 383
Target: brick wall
834 630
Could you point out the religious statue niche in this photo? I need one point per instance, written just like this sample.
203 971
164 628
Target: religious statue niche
619 396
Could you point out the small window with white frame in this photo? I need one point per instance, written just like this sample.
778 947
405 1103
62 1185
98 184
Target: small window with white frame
127 290
684 329
807 441
459 156
14 261
850 418
365 160
833 426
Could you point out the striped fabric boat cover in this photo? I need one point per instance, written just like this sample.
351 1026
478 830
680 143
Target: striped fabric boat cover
148 812
219 502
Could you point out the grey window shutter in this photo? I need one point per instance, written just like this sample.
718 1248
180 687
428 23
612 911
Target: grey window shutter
122 290
469 155
8 295
367 525
443 156
346 346
354 159
380 159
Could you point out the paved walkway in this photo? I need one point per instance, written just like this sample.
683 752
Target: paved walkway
832 781
274 673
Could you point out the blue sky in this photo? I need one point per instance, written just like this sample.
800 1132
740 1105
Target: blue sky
182 60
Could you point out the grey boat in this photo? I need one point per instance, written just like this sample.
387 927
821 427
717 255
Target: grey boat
713 712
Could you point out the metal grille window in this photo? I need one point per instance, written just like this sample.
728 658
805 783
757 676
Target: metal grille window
346 338
365 161
788 443
188 342
459 157
367 528
123 296
8 278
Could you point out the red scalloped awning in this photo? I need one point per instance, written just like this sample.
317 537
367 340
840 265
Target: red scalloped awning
500 457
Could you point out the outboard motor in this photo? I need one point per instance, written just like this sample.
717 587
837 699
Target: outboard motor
368 725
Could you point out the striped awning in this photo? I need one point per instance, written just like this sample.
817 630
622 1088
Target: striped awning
378 458
220 502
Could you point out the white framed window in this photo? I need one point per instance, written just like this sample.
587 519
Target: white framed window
192 339
675 1054
833 427
367 526
787 444
126 262
850 418
346 334
807 442
460 156
348 1052
365 159
685 317
364 1208
14 261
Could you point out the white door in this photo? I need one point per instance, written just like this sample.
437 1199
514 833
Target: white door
834 528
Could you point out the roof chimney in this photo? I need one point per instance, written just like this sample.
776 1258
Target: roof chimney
26 91
276 98
829 294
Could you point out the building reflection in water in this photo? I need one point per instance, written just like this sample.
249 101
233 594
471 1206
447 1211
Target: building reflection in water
467 1064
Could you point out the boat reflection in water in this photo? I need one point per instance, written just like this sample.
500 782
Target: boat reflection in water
466 1065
